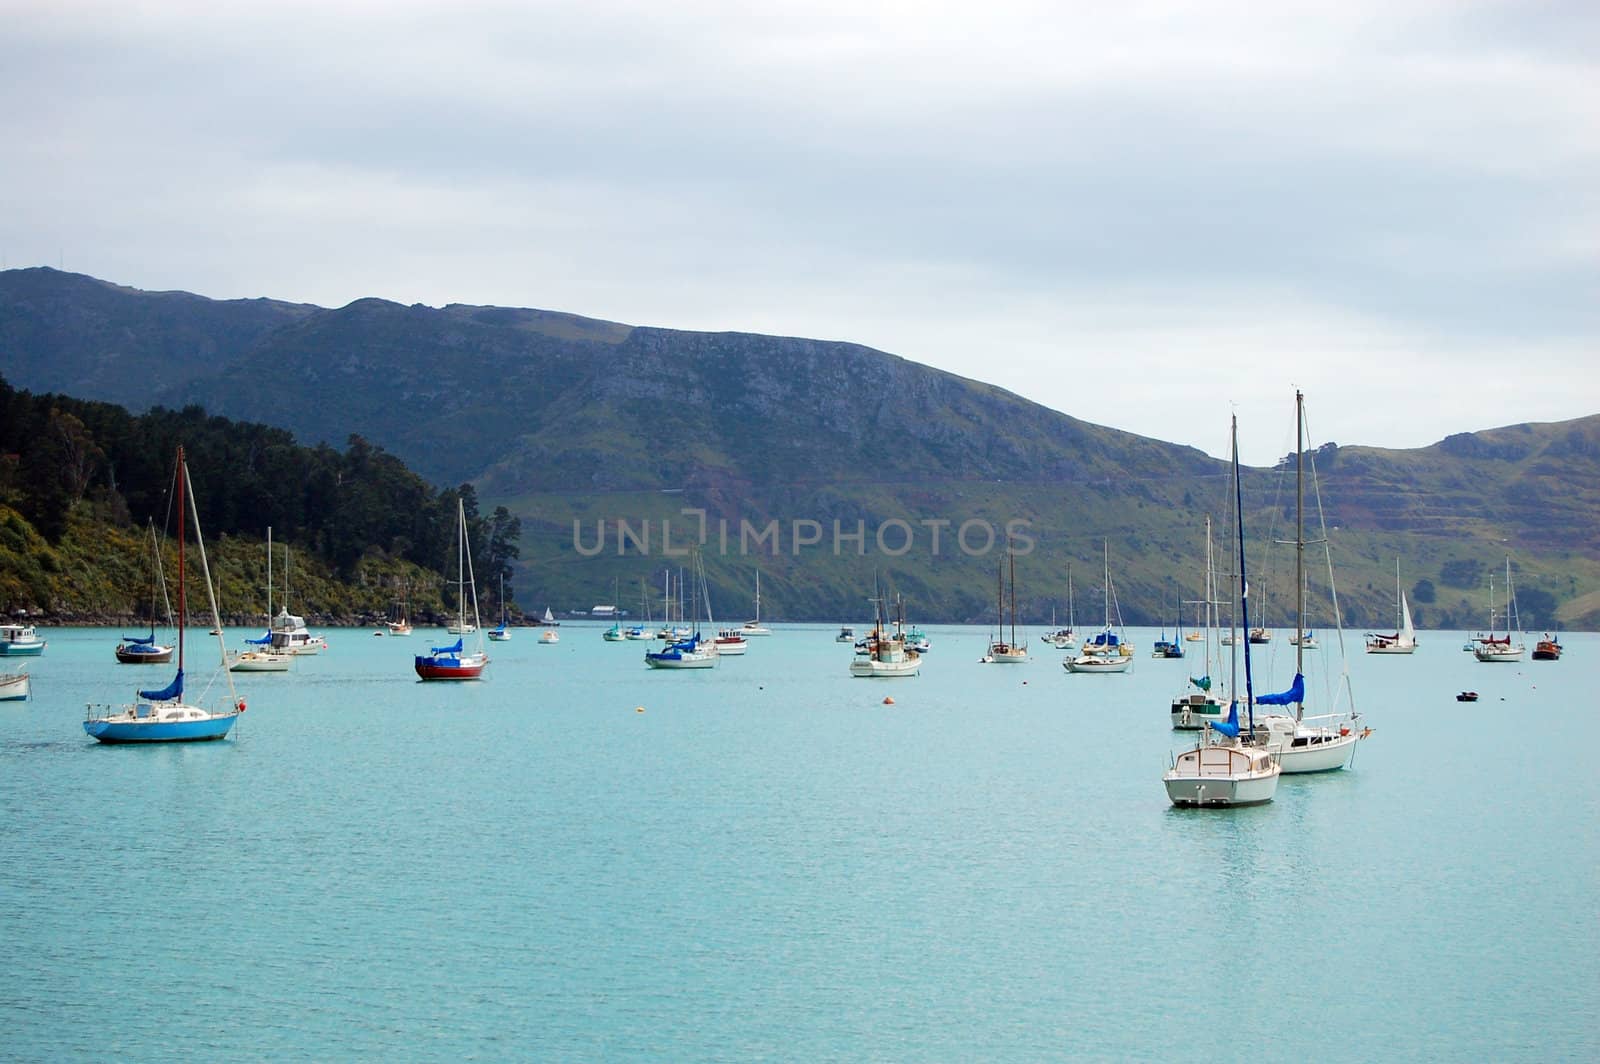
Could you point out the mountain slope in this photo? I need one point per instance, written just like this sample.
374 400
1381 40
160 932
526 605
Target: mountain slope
571 420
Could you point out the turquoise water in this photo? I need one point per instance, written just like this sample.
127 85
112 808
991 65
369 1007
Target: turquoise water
770 863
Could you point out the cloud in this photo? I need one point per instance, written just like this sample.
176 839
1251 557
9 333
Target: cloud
1218 201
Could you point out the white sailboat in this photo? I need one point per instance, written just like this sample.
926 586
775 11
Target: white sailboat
1004 651
691 650
1108 651
1404 638
262 657
500 633
1510 647
1222 770
754 627
1301 743
1064 638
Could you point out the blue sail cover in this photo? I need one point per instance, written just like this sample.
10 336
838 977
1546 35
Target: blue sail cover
1231 725
138 642
1105 639
167 693
454 648
263 641
1294 694
1204 682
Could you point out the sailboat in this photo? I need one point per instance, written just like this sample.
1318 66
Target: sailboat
401 625
453 662
690 650
614 634
1490 647
500 633
1193 710
1108 651
754 627
1223 771
162 716
1300 743
1002 651
1307 640
1170 648
264 658
1064 638
640 629
1404 639
144 650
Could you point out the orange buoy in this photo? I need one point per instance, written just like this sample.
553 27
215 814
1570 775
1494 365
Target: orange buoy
888 701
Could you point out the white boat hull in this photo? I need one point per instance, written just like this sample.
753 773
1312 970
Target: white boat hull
866 668
256 661
1092 663
14 687
1301 749
1503 654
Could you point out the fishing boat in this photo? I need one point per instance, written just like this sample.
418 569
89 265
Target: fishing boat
732 642
20 641
262 657
454 662
753 628
1547 649
288 631
1509 647
1223 771
883 654
1003 651
846 634
14 686
1193 709
917 639
162 716
688 649
1108 651
500 633
144 650
1404 638
1300 743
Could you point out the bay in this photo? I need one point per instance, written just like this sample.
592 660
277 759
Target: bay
580 858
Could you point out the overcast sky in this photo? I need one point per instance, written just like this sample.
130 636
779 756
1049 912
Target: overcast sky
1140 213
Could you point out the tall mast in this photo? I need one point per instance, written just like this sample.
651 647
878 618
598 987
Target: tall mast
1242 583
183 607
1013 559
1105 561
1300 540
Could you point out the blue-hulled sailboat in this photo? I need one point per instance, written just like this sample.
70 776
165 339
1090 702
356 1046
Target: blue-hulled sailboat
162 716
144 650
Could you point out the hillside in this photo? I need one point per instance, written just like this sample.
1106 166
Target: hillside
565 419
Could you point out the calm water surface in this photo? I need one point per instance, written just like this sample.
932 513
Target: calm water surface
769 862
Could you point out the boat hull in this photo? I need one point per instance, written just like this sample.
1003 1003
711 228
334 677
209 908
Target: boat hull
1194 712
14 687
1387 647
1093 663
681 661
1487 654
883 670
445 669
130 656
21 650
256 661
130 729
1220 777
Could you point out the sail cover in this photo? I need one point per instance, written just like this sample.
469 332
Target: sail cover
1296 693
1204 682
454 648
263 641
167 693
1231 725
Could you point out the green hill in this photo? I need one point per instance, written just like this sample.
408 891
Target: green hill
563 419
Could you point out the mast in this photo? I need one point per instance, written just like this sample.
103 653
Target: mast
1013 559
183 605
269 578
1071 622
1242 585
1105 560
1300 541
